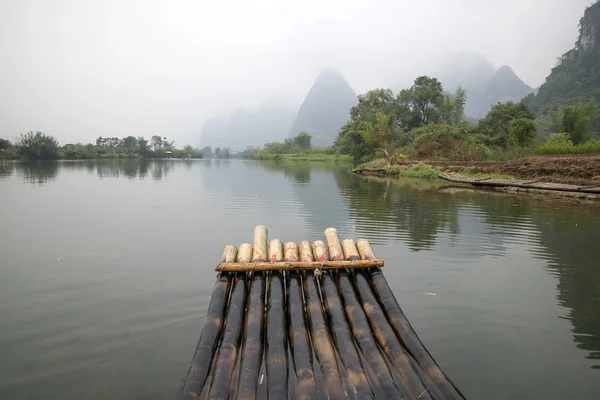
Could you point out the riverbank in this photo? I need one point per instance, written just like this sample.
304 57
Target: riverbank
566 174
303 157
583 170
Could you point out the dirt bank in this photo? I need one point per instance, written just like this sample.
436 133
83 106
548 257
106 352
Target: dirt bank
581 170
578 170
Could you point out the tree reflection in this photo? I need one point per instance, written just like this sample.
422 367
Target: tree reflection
6 168
298 172
37 173
402 208
569 239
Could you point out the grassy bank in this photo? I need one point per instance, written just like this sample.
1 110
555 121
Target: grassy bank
303 157
421 170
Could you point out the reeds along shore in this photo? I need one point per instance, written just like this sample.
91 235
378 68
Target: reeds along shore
308 321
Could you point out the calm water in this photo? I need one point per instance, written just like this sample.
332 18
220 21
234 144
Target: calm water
106 270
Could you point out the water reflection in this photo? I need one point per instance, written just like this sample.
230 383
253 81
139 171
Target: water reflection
460 222
6 168
37 173
560 233
41 173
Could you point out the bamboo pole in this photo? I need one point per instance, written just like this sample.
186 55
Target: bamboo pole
224 364
253 342
305 250
384 333
388 340
244 253
333 244
211 332
297 265
350 250
290 252
275 250
229 348
319 249
259 248
306 387
276 352
321 341
343 340
364 337
404 330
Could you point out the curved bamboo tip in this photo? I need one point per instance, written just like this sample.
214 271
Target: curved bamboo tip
333 244
350 250
259 247
229 254
364 249
275 250
290 252
245 252
319 249
305 251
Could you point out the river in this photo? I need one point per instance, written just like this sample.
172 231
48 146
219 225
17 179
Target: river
106 269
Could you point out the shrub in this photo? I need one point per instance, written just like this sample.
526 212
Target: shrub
37 145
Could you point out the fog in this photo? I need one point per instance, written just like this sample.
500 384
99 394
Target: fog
82 69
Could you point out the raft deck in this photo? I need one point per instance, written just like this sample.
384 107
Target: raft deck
308 321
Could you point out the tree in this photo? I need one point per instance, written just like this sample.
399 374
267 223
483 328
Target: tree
378 136
302 140
495 125
38 145
350 141
206 152
460 101
130 144
425 97
447 110
143 146
217 152
575 119
372 102
5 144
156 142
523 131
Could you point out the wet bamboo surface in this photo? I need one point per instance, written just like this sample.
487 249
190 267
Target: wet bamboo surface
308 321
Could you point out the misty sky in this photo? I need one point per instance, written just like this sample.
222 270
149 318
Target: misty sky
79 69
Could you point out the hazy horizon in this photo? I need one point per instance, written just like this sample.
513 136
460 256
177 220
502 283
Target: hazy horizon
79 70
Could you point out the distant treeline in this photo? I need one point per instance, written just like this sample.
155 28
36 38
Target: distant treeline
40 146
426 123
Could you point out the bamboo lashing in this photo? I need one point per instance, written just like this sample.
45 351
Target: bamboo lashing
296 265
273 329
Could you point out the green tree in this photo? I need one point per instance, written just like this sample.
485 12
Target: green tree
379 136
350 141
460 101
495 125
5 144
142 147
575 119
156 142
38 145
447 110
302 140
130 144
425 98
560 139
372 102
522 131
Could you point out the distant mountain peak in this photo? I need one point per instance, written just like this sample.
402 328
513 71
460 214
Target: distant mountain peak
326 107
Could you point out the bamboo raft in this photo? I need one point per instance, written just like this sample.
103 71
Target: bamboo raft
308 321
